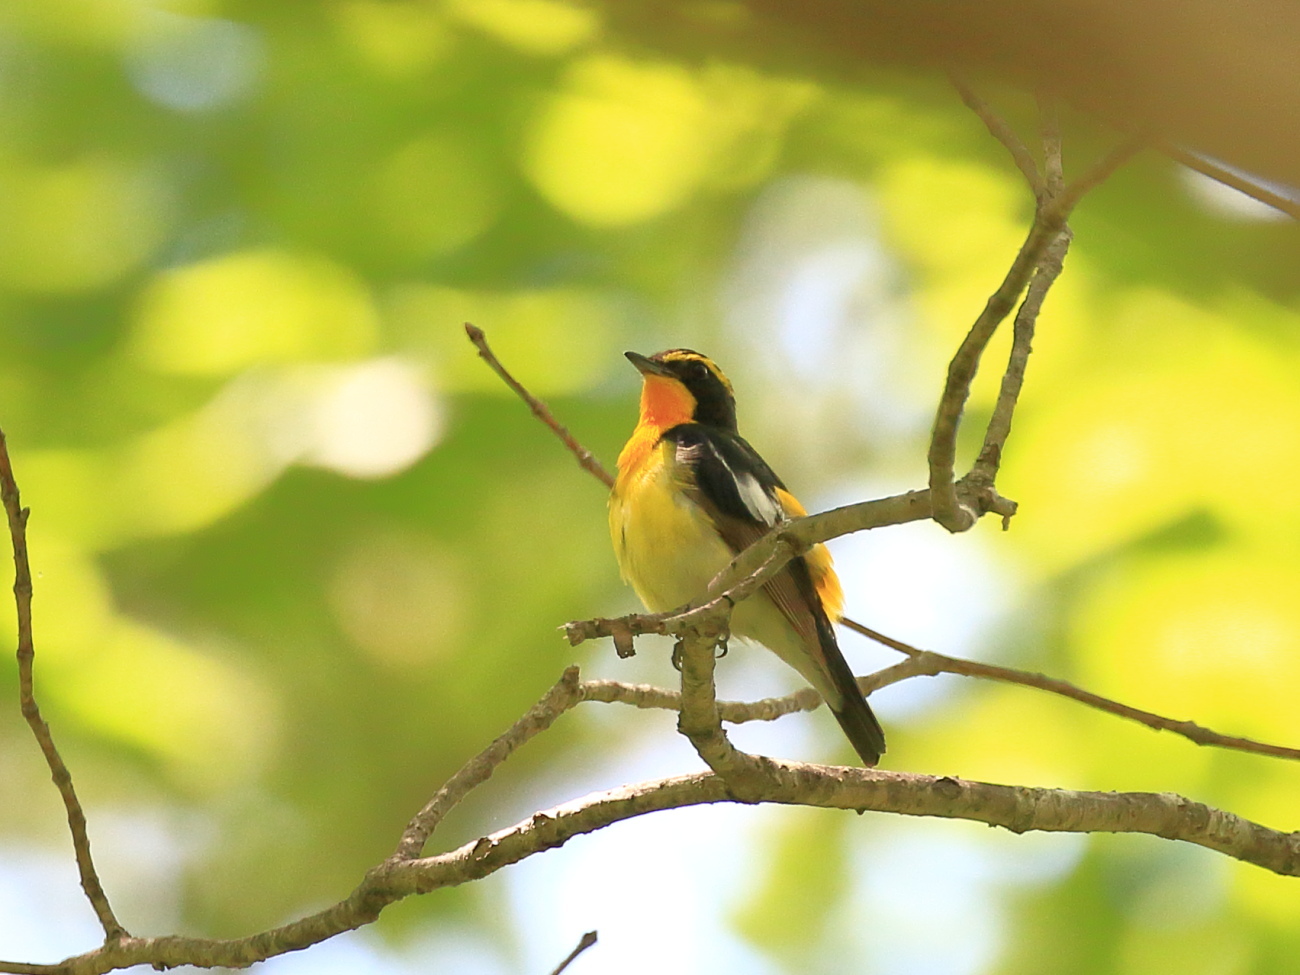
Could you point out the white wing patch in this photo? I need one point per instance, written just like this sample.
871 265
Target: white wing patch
761 505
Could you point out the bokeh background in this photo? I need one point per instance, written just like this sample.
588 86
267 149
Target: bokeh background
299 554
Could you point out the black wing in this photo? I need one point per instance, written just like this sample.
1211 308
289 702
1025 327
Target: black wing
738 490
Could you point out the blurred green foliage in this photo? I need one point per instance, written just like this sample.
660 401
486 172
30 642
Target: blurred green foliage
299 553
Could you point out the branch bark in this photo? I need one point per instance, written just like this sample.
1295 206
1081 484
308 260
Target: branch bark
1017 808
17 516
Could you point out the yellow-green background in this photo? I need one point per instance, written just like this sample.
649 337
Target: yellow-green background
228 229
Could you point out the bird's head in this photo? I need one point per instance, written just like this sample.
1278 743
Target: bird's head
682 386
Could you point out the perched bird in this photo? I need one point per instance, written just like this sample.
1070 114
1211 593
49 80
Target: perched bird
690 494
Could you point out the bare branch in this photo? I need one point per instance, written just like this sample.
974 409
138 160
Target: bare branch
586 942
17 517
1049 268
1001 131
586 460
929 663
1017 808
942 455
1100 171
1051 214
564 695
1049 125
730 587
1227 177
925 663
698 718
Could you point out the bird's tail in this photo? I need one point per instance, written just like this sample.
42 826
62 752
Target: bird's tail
852 711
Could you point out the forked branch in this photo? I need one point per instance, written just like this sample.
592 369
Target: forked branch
1039 259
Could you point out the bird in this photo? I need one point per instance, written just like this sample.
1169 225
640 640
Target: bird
691 493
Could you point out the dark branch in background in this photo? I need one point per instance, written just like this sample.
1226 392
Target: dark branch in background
1240 183
585 458
586 942
17 517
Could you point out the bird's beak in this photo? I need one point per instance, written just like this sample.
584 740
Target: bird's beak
646 366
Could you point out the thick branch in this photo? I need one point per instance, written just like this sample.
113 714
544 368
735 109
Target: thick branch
1017 808
17 517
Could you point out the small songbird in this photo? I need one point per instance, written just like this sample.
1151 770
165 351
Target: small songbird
690 494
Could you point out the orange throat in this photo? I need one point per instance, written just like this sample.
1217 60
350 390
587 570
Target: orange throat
665 403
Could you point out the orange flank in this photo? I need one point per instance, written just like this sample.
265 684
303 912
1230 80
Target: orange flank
823 574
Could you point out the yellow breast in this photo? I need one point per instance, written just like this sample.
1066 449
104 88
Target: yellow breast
667 548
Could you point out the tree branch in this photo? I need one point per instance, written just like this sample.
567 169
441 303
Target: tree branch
1207 167
1000 130
584 943
17 518
930 663
1054 205
586 460
1017 808
985 468
560 698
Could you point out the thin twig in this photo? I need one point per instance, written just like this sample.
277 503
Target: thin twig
938 663
586 460
942 453
562 696
586 942
647 697
1001 131
1049 220
712 614
1228 177
999 428
1098 173
923 663
985 469
17 517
